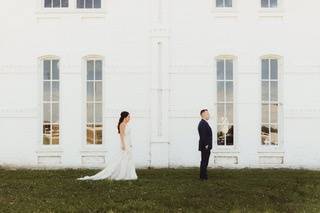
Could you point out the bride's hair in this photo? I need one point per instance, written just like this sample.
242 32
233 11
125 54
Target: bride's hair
123 115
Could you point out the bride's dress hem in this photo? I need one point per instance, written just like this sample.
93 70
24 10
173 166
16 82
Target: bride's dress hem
120 168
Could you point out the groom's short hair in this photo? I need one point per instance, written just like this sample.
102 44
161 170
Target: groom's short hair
202 111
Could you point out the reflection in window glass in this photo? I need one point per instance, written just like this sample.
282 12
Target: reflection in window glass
50 101
269 3
88 4
225 102
269 99
56 3
223 3
94 100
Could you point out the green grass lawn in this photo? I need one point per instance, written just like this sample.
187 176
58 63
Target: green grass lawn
163 190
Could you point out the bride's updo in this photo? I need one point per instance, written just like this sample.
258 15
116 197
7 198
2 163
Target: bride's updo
123 115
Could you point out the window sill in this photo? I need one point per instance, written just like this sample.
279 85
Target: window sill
230 149
70 11
94 148
45 149
271 12
225 12
267 150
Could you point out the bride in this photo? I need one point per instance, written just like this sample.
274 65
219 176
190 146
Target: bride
122 167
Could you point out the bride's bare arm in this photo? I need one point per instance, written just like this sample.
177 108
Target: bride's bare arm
122 131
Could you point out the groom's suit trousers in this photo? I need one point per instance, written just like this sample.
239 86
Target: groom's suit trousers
205 155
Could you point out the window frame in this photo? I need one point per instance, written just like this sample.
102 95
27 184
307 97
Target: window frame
71 9
41 102
235 116
84 100
52 7
280 102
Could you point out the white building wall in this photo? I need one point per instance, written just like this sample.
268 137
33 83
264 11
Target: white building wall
159 64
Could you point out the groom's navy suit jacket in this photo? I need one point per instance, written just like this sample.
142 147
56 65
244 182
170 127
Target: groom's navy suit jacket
205 134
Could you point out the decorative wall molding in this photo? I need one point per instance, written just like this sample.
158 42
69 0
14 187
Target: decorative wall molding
93 156
6 112
127 69
137 113
303 70
225 159
270 160
18 69
160 31
302 112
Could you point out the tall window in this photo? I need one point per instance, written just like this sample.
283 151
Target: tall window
270 102
269 3
56 3
223 3
225 103
50 102
94 102
88 3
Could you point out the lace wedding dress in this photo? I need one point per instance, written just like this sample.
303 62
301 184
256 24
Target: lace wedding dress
121 167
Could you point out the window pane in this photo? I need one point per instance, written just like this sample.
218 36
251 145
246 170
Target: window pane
90 70
47 3
98 131
80 3
220 135
90 113
229 91
274 134
274 90
55 91
90 91
265 69
46 129
98 90
229 69
46 70
55 134
229 136
274 69
98 67
273 3
220 91
46 113
219 3
46 90
265 134
220 70
55 113
65 3
265 91
265 113
88 4
264 3
220 112
97 3
98 113
274 113
56 3
90 133
228 3
229 113
55 69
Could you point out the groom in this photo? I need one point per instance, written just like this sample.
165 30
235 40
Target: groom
205 143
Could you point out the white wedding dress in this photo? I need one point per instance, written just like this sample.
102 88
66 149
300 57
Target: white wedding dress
121 167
